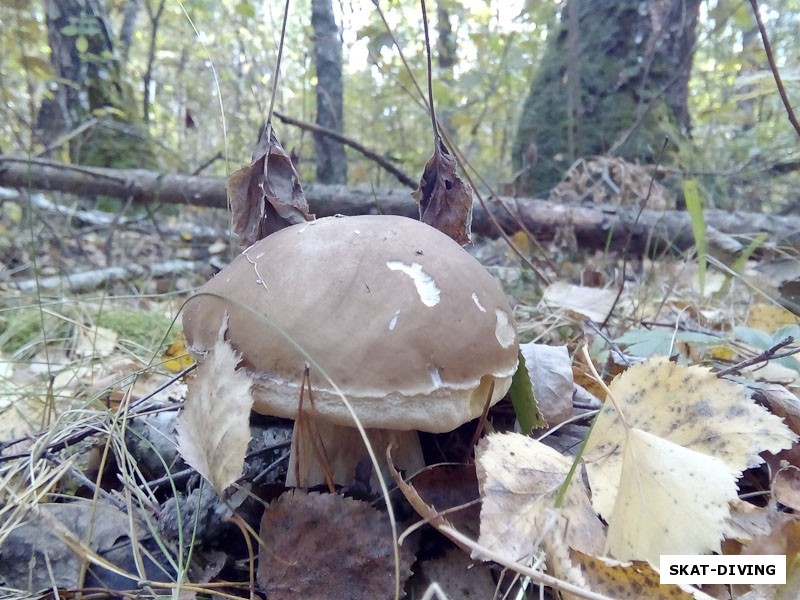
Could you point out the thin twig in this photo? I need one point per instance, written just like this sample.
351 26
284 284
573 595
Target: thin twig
774 68
766 356
431 109
335 135
277 71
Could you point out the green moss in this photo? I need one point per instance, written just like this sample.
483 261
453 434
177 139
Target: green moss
142 328
21 328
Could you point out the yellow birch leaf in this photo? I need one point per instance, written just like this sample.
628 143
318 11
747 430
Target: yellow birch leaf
176 357
671 500
686 436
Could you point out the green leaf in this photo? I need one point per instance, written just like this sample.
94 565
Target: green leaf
81 44
745 255
521 393
645 343
694 207
246 9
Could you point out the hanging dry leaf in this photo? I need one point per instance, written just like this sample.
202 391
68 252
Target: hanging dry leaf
266 195
214 428
519 479
664 484
445 201
327 546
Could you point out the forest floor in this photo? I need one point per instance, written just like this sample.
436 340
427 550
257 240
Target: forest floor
91 358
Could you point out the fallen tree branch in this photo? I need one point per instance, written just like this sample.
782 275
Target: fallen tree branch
91 280
595 225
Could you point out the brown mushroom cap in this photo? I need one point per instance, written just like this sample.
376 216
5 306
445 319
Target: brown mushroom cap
411 328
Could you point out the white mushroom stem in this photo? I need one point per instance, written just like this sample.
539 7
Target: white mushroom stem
343 449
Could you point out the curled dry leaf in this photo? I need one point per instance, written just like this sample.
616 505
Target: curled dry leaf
214 428
445 201
786 487
266 195
327 546
550 370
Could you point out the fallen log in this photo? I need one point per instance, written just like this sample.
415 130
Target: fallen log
595 226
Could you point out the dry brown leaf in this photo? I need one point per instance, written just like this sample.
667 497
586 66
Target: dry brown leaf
664 482
550 370
782 403
782 539
786 487
456 575
747 521
592 303
266 195
445 201
214 428
437 489
39 553
328 547
519 479
626 581
95 341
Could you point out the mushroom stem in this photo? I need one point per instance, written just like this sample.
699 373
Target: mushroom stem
343 449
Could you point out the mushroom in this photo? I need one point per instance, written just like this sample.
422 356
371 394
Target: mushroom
413 331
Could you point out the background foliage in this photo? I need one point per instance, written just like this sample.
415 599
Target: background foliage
216 59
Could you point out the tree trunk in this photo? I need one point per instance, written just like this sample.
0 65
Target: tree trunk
618 84
330 156
89 86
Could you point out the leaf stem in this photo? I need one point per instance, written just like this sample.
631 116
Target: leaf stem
436 137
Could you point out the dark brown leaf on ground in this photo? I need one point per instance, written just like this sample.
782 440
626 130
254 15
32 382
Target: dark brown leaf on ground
327 546
266 195
35 556
456 575
445 201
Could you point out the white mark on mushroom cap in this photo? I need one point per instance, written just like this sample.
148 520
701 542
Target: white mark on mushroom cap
426 287
477 302
393 322
436 376
503 330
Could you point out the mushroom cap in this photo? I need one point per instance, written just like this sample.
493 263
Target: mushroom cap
410 327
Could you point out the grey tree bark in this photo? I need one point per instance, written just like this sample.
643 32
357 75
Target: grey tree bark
617 85
89 84
330 157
